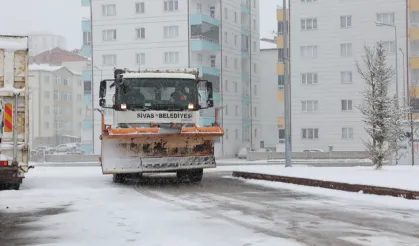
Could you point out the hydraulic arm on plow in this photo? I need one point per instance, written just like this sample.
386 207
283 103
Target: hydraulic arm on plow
155 124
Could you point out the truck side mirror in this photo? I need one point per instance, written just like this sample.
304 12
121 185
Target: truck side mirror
102 89
210 99
102 102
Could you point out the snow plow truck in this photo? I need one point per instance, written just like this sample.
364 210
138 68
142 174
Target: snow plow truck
14 111
156 124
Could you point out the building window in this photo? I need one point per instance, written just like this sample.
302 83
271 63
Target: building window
345 49
46 125
281 28
109 60
87 87
171 57
346 21
255 112
170 31
58 80
79 97
255 70
309 78
235 17
280 82
236 110
87 38
236 63
139 8
347 133
140 59
346 105
389 47
226 109
199 8
308 51
226 13
255 90
65 81
310 133
171 5
254 25
346 77
236 39
386 18
309 106
309 24
56 94
226 37
226 133
140 33
281 133
109 10
281 54
236 134
236 89
256 133
109 35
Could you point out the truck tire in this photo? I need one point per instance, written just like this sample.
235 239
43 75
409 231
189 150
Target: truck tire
195 175
15 186
182 175
118 178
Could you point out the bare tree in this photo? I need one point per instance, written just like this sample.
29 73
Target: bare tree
384 118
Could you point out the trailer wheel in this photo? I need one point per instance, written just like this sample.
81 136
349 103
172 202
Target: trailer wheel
15 186
118 178
195 175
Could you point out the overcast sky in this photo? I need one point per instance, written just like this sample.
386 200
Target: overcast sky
63 17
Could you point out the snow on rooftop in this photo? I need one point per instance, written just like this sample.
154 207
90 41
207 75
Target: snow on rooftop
44 67
13 43
267 45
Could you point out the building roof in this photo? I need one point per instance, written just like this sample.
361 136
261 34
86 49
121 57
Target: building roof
267 45
58 54
49 68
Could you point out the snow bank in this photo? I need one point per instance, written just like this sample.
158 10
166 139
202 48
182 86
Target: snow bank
10 43
402 177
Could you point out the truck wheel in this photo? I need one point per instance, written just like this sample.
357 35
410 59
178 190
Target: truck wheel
15 186
118 178
195 175
182 175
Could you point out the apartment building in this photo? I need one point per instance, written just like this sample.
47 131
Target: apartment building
87 78
221 38
40 42
412 54
272 126
326 40
55 105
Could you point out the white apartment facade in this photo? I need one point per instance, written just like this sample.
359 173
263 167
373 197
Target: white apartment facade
221 38
272 132
327 38
56 110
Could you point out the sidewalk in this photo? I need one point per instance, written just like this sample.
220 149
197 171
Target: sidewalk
391 180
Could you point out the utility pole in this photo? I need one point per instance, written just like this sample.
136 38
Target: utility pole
287 108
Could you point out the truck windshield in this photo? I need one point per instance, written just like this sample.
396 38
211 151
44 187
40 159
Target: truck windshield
157 93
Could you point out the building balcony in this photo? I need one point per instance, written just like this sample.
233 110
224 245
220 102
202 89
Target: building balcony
280 121
414 62
245 122
245 31
280 42
208 70
87 124
201 42
245 53
244 8
413 5
245 77
86 25
216 96
198 19
280 68
206 121
87 75
87 99
280 95
414 33
86 50
85 3
280 15
245 99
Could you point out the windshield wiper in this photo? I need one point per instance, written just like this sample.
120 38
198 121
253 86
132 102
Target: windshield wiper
169 107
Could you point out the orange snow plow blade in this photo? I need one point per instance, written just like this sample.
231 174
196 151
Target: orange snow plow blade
154 149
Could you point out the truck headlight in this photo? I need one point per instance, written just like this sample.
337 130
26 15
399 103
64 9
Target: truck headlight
123 106
190 106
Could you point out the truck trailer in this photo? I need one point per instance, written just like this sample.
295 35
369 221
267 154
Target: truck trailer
156 124
14 110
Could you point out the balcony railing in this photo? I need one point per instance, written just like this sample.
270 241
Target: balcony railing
205 38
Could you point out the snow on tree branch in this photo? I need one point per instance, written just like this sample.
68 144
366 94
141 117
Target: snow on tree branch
384 118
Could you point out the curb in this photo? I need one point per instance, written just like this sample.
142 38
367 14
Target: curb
367 189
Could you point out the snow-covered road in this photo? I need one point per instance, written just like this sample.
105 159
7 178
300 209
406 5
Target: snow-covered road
79 206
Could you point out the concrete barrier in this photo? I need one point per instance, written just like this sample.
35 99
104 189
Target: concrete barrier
256 156
368 189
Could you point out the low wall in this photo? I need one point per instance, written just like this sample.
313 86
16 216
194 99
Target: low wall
71 158
256 156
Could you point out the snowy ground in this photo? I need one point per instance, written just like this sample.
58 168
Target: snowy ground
402 177
219 211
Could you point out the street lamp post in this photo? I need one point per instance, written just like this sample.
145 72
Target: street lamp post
404 81
395 48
